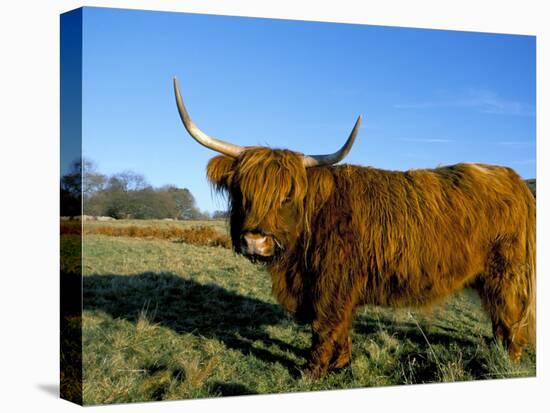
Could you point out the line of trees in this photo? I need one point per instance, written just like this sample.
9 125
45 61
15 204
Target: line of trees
123 195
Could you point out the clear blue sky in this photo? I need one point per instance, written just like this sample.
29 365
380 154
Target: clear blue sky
428 97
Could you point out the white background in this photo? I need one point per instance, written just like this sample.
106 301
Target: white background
29 158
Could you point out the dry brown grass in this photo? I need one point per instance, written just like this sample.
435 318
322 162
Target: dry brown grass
71 228
200 235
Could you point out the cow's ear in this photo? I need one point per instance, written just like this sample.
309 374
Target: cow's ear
220 171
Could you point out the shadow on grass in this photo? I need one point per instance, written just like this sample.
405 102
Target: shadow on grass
240 322
436 351
186 306
409 330
230 389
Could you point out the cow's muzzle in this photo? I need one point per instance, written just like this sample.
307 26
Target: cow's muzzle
258 246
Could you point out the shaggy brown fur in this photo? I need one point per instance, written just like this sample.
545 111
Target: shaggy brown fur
350 235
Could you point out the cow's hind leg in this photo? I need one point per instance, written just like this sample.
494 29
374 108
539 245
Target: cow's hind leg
505 313
505 291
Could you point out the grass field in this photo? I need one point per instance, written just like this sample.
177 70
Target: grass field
165 319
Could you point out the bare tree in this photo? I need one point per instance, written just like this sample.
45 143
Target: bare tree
92 181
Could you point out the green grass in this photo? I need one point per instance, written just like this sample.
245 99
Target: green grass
165 320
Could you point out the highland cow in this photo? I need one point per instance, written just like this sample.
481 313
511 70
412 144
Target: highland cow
337 237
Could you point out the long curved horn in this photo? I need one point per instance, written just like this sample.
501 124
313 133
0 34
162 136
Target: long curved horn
210 142
318 160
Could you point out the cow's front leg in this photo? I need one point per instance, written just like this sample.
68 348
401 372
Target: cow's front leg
331 345
342 353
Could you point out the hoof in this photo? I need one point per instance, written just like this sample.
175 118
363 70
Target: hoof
315 372
514 353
